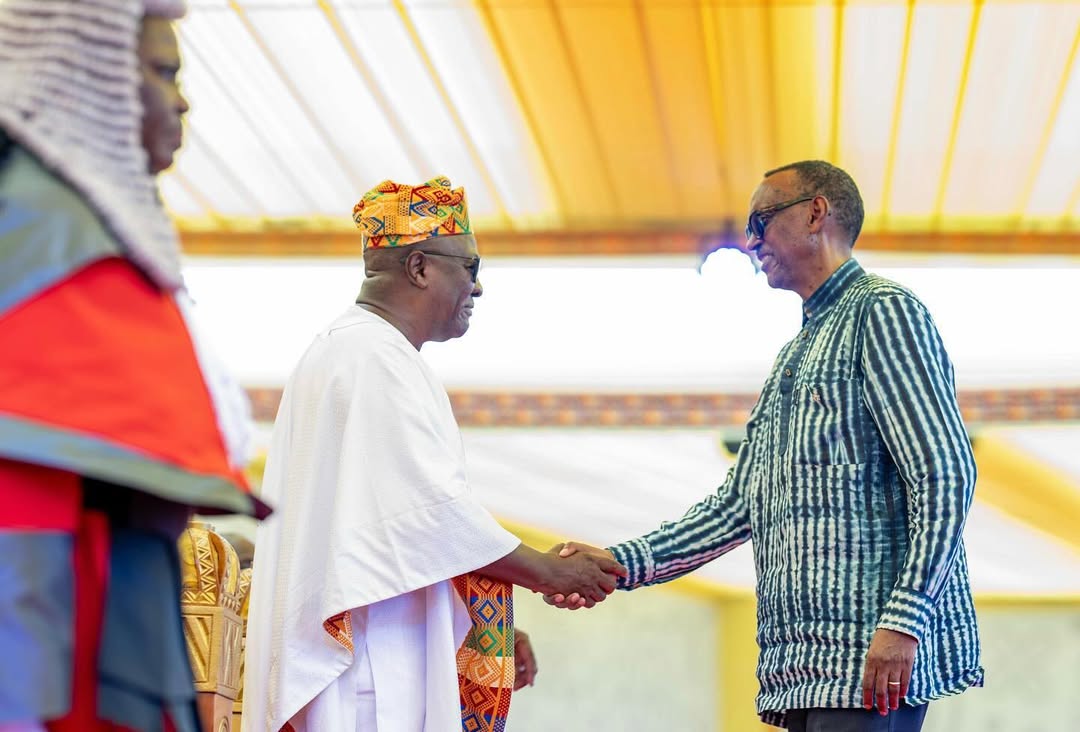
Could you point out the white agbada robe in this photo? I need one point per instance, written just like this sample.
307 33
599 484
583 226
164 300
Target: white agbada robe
373 518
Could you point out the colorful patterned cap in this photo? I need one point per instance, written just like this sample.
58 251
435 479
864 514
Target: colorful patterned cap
396 215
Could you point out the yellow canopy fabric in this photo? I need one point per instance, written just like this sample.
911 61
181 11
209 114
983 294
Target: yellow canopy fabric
951 116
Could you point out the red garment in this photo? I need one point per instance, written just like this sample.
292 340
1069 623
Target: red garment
101 392
107 354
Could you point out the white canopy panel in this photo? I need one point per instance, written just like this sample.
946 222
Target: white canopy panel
648 325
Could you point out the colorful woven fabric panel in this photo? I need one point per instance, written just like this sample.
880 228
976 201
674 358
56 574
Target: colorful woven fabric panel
485 660
396 215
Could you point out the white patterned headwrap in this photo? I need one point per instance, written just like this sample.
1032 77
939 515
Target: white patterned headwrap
69 93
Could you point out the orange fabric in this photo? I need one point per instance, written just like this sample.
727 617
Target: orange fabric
485 661
397 215
33 497
106 353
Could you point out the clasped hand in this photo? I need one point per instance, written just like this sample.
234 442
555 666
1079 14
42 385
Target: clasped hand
577 552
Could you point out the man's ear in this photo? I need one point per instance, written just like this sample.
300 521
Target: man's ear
416 269
820 210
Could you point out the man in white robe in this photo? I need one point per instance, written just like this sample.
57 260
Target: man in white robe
380 562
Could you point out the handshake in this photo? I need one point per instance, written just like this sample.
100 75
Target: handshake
579 575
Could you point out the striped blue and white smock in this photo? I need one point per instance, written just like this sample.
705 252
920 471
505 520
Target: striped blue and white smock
854 483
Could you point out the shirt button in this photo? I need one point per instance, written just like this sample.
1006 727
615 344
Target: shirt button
787 372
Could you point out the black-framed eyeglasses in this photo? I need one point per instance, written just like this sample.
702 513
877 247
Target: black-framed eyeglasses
758 220
473 262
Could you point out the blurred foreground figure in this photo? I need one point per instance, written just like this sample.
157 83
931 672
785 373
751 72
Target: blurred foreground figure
114 423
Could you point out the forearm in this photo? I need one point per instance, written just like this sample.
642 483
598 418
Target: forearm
937 465
936 515
525 567
911 394
709 529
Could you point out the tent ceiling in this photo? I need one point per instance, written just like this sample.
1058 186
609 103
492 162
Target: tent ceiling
633 115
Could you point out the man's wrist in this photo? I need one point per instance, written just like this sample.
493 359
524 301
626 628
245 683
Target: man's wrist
907 611
637 558
541 569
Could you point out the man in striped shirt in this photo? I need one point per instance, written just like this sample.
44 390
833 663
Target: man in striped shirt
854 481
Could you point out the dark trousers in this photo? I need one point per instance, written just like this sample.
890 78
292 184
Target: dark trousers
904 719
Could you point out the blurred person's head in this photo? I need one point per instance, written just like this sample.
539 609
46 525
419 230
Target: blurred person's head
89 91
164 106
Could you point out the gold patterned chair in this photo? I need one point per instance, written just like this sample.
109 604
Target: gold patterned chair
213 593
245 589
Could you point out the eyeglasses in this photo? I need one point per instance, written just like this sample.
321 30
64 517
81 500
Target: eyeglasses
758 220
473 262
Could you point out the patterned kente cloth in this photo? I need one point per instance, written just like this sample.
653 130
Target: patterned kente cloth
396 215
485 660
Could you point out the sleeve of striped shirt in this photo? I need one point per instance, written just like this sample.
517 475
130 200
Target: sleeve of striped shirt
910 391
712 527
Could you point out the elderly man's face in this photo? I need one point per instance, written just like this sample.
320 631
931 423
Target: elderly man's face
786 253
453 285
163 105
